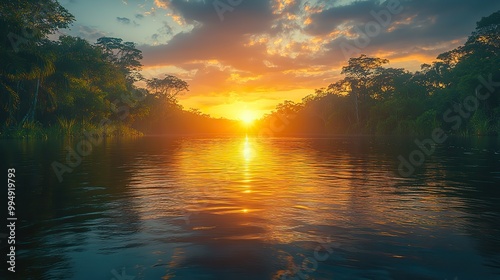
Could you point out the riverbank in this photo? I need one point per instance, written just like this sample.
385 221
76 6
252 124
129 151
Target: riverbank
76 130
35 130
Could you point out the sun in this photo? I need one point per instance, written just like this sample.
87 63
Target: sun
247 117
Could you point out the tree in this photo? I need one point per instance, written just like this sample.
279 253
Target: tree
23 26
168 87
44 67
27 22
387 82
123 54
85 83
359 72
20 80
484 42
326 105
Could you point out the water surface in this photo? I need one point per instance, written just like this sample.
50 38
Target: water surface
250 208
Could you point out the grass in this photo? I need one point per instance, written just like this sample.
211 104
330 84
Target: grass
66 127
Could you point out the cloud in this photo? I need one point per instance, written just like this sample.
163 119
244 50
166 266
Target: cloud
212 39
127 21
89 33
166 29
326 21
421 23
123 20
162 34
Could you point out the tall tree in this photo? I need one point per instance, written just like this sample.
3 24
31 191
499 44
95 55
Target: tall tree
168 87
359 72
123 54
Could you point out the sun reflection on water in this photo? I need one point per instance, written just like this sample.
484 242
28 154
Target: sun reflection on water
247 150
274 186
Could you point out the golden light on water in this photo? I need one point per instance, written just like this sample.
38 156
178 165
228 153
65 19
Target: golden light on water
265 184
247 150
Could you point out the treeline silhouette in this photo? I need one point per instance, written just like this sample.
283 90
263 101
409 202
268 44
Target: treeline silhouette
70 86
459 93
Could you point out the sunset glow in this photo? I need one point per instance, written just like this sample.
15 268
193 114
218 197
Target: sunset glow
261 52
247 117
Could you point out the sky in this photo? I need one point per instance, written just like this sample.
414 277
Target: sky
243 57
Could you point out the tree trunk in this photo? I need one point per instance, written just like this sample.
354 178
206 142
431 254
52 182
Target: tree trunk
30 116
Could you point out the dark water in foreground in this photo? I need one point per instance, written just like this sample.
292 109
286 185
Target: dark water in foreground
244 208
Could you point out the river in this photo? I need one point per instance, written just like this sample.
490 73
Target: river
254 208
